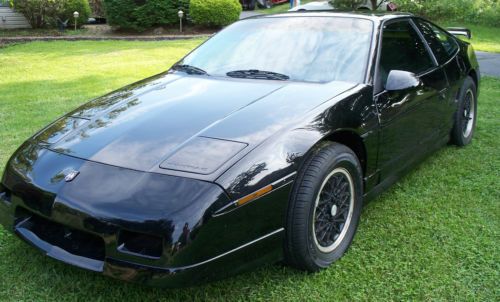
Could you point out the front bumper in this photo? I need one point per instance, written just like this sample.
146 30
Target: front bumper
265 249
141 227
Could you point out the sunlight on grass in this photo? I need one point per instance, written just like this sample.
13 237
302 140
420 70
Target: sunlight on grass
433 236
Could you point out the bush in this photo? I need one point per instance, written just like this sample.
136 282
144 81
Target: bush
44 13
474 11
68 7
215 13
143 14
37 12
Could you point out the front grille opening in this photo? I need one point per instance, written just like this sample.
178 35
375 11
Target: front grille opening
140 244
5 194
69 239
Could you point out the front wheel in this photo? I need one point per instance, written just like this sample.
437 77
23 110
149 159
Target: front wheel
465 117
324 208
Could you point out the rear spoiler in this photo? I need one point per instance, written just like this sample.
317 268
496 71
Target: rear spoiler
460 31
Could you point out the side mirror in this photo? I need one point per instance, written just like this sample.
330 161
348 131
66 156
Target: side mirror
401 80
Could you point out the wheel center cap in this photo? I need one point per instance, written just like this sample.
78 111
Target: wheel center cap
333 211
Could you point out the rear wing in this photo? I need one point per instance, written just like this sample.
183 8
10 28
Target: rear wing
460 31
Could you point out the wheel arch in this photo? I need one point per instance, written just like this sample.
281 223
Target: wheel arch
353 141
475 77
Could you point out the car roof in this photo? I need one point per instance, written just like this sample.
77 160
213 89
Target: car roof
372 15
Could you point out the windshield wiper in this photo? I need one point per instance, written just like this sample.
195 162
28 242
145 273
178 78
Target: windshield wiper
257 74
189 69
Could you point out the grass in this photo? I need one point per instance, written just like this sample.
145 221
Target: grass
434 236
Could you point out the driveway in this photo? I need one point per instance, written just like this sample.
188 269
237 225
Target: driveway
489 63
248 13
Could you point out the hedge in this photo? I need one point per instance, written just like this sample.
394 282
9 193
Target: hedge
215 13
140 15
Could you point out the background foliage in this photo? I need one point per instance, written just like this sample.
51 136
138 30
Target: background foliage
44 13
97 8
215 13
140 15
485 12
474 11
346 4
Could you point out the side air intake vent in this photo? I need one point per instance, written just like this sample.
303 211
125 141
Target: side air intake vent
139 244
45 234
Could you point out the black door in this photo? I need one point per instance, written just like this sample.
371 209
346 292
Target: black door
410 119
445 48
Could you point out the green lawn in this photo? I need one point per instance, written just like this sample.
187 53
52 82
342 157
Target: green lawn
434 236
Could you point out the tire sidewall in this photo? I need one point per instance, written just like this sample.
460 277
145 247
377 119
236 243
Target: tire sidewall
348 162
300 248
457 135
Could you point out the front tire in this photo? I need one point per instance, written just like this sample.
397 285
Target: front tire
324 208
466 115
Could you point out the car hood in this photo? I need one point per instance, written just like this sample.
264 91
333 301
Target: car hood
140 126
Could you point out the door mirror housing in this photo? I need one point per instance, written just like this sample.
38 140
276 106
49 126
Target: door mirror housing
401 80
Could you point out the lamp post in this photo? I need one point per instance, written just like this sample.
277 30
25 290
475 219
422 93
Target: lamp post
180 13
76 15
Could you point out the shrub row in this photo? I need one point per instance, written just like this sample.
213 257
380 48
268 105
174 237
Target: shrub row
136 15
141 14
46 13
215 13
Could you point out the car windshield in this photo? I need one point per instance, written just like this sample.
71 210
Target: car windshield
310 49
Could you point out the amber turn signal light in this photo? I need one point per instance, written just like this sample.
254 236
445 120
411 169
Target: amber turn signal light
254 195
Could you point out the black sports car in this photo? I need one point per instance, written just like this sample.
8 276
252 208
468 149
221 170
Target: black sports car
260 145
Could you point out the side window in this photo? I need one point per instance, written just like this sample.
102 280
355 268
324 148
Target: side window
443 45
402 49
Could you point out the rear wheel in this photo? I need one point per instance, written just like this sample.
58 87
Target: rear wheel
324 208
465 117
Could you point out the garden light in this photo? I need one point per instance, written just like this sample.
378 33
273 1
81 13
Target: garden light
76 15
180 13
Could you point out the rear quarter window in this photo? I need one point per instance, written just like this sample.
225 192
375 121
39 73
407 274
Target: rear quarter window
442 44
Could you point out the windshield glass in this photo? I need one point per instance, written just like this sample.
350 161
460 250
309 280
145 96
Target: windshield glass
312 49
